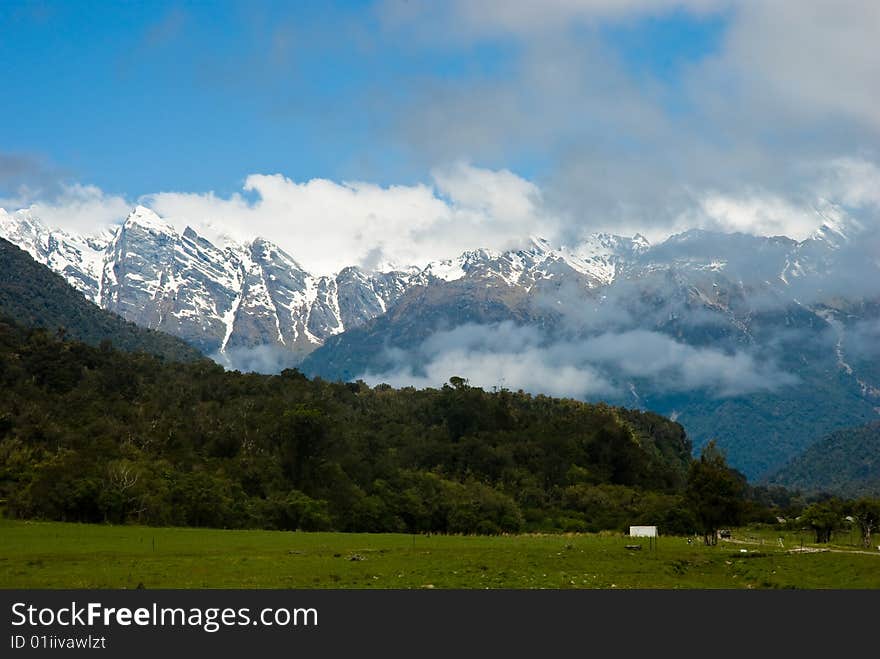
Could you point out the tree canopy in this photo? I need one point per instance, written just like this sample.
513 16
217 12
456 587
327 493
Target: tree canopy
92 434
715 492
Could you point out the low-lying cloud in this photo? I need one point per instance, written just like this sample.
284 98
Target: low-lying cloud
266 359
505 355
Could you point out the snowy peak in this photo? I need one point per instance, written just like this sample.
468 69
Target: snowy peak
640 243
837 228
21 229
147 219
540 245
608 244
265 251
446 270
76 258
840 258
602 256
241 298
226 300
597 259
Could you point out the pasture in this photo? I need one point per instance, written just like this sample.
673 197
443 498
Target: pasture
59 555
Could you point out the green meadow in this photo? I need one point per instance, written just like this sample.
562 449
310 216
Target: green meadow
58 555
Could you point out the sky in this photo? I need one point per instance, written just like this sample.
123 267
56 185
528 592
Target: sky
402 131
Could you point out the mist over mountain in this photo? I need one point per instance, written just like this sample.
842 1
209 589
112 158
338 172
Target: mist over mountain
762 343
250 305
747 339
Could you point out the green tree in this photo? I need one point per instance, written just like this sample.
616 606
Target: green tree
825 517
866 513
93 434
715 493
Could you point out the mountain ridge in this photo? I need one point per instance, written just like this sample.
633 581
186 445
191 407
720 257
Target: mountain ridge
33 295
742 337
245 295
844 463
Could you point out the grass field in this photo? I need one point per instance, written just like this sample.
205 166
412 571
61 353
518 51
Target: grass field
56 555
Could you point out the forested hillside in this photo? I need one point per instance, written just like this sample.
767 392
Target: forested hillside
93 434
845 463
37 297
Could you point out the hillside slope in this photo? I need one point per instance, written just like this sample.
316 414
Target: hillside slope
96 435
845 463
34 296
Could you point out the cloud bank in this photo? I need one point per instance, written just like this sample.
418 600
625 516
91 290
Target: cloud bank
731 129
505 355
73 207
328 225
774 111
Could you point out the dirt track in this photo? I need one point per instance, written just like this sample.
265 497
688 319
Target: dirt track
805 550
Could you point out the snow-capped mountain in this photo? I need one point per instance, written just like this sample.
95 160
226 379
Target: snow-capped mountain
656 326
225 298
219 298
78 259
596 260
809 308
232 297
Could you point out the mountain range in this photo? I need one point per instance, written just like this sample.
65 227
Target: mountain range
223 299
218 298
764 343
33 296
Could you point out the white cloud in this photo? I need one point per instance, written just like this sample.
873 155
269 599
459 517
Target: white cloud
498 194
530 371
498 355
762 214
808 57
811 59
79 208
514 357
730 129
527 17
678 366
853 181
731 141
327 225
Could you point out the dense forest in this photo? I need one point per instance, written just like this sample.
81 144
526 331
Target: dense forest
103 421
94 434
99 435
844 463
37 297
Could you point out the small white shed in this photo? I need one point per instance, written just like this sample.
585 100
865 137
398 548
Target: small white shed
649 532
643 531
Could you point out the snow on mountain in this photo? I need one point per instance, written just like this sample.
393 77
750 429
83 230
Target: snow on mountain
598 259
601 255
837 228
839 258
76 258
242 296
219 298
165 280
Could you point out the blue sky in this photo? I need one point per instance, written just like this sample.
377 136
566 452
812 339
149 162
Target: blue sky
143 97
421 128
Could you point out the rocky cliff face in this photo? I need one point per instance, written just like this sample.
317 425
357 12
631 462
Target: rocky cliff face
221 299
230 299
